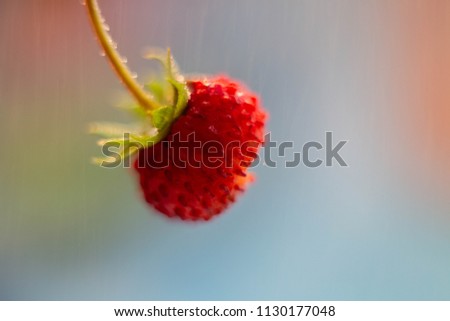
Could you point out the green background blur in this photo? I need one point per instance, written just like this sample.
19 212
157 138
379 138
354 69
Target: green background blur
376 73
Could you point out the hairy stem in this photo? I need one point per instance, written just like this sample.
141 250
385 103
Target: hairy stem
117 62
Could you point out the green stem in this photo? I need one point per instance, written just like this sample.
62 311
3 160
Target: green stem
119 66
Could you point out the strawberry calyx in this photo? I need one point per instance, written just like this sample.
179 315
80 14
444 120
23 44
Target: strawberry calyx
159 103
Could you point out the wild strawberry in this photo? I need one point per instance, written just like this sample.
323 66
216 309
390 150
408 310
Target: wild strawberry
197 137
201 185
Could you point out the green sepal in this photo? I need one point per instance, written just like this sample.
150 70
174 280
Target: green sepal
134 109
159 90
171 96
127 145
124 150
166 60
182 96
162 116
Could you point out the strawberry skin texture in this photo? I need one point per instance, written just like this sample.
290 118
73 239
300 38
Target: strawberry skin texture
220 110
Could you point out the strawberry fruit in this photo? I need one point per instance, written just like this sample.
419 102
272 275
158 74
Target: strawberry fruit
196 137
219 110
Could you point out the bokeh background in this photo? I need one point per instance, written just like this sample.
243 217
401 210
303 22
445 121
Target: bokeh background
376 73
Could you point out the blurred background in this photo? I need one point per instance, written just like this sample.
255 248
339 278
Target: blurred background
375 73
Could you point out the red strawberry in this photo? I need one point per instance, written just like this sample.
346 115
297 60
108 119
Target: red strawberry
197 138
219 110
